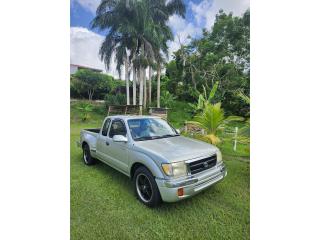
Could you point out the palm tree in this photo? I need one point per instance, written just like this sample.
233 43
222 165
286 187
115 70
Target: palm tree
134 86
162 11
212 120
244 131
150 83
115 17
122 58
145 96
160 62
140 27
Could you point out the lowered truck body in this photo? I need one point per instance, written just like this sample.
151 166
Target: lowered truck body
164 165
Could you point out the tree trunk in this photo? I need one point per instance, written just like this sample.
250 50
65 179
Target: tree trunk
140 89
193 80
150 84
126 66
90 94
134 86
158 85
144 88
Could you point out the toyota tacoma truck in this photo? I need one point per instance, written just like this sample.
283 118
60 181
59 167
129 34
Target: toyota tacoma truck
163 165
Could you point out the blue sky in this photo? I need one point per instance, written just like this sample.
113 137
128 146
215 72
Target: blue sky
81 14
85 42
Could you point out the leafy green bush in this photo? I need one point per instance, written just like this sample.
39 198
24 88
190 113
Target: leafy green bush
221 54
167 99
87 84
203 100
115 99
85 108
85 80
213 120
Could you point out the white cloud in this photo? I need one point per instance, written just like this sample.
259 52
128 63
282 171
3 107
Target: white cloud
205 12
182 30
85 44
90 5
84 50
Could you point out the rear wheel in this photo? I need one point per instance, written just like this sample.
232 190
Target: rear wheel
87 158
146 187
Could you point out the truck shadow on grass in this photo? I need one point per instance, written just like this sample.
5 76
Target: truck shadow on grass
125 187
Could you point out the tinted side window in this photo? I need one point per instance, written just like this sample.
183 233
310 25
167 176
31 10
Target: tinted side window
117 128
105 127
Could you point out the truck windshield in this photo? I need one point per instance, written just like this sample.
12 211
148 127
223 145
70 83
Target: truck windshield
150 128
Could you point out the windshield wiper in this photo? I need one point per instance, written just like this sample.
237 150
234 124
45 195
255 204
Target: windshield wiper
169 135
155 137
144 138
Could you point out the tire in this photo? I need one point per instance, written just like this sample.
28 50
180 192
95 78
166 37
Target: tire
87 158
146 188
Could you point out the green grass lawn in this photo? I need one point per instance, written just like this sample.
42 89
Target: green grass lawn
103 204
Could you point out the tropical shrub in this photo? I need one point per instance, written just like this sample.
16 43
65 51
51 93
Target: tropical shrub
244 132
213 120
86 80
115 99
85 109
203 100
167 99
221 54
105 84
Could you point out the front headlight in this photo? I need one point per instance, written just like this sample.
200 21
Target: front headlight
219 156
176 169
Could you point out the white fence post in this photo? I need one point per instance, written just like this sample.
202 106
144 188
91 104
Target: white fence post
235 139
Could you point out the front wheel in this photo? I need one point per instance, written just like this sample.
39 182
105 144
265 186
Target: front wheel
146 187
87 158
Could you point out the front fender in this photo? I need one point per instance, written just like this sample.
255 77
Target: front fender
148 162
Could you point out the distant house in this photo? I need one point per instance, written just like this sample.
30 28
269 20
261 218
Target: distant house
74 68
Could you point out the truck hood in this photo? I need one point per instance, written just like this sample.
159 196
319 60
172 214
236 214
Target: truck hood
175 149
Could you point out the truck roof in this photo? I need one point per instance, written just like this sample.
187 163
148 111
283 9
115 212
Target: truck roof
132 116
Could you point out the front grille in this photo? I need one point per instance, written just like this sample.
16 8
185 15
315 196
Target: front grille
202 164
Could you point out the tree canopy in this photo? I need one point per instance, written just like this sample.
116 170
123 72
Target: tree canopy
221 54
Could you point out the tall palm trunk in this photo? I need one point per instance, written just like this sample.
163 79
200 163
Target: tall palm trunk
150 84
140 89
134 86
193 80
158 85
144 88
126 66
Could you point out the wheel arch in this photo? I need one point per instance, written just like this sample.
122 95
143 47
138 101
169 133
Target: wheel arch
147 163
84 143
134 167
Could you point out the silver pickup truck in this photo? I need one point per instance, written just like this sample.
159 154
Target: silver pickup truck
164 165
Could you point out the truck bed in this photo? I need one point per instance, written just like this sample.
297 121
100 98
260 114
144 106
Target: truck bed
95 130
90 137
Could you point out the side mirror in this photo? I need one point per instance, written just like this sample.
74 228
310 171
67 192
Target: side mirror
119 138
178 131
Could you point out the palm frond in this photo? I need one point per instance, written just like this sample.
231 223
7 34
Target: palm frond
176 7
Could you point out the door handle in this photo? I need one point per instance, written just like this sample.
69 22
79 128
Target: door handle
107 143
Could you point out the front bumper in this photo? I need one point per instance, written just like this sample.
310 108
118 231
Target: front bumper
191 185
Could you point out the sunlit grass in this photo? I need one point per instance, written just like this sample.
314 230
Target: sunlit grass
103 205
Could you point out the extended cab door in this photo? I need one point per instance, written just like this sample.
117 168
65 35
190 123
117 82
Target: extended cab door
102 141
118 151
